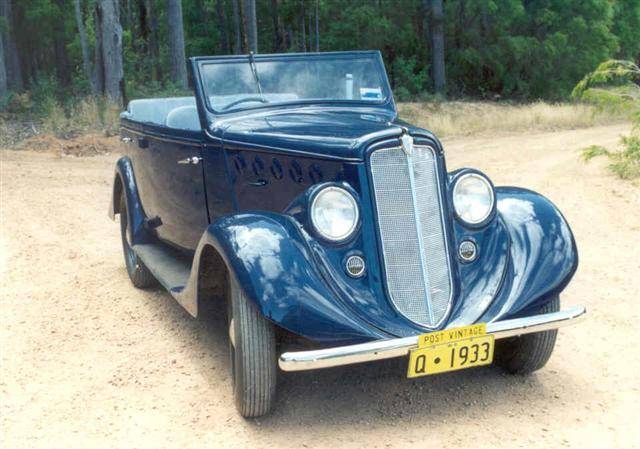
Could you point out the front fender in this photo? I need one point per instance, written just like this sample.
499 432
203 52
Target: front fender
269 256
543 254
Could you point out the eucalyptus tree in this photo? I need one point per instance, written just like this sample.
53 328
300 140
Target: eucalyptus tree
176 43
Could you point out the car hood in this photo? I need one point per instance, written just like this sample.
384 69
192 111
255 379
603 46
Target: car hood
332 133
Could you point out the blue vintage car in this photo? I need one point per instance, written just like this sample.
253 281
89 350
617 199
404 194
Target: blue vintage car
289 187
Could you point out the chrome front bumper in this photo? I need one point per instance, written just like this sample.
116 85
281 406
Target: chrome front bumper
398 347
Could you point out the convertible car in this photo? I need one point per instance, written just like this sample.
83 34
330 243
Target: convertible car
289 188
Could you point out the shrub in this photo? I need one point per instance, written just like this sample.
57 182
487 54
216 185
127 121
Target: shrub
614 85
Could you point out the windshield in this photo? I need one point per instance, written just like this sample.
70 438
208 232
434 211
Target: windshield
245 83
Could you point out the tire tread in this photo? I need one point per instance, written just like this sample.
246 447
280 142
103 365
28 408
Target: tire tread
255 369
529 353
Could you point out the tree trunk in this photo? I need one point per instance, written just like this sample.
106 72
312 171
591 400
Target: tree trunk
278 28
154 40
108 13
303 25
86 64
250 28
317 25
176 43
310 28
131 24
12 58
243 20
3 69
288 37
61 60
437 41
252 19
205 17
222 25
98 62
237 29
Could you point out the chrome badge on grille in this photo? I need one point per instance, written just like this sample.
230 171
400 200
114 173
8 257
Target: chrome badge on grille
407 144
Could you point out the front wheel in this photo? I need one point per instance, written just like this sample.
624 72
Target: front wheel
252 345
530 352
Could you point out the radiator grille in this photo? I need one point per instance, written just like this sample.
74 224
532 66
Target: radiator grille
412 233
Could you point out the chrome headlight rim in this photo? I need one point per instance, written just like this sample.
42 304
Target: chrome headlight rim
466 174
315 197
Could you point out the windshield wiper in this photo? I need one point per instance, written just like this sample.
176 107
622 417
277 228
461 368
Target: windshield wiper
252 63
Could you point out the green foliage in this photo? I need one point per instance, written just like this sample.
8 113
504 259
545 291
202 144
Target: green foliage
411 79
525 49
612 74
625 163
615 85
594 151
626 23
516 49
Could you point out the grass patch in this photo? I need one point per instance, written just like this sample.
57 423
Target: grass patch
25 118
457 118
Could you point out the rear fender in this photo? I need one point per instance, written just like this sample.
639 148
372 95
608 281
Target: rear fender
124 183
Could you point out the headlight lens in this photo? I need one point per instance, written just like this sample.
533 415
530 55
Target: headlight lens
473 198
334 213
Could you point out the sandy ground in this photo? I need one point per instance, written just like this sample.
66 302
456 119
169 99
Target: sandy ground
88 361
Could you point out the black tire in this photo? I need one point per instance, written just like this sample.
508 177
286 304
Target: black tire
139 274
252 348
530 352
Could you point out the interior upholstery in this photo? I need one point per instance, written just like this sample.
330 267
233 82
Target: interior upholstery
181 112
183 117
176 112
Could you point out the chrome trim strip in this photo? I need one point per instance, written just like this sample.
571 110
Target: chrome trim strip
420 234
399 347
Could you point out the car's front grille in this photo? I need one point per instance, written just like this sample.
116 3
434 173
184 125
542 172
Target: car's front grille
412 232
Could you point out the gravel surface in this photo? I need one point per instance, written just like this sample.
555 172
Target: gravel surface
88 361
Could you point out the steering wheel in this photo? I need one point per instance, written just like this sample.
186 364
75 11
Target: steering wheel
244 100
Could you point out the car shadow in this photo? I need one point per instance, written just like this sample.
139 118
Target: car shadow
352 394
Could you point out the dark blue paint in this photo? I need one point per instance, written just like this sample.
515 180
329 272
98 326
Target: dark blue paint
250 203
125 183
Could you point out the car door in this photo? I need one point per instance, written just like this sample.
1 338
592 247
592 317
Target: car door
175 201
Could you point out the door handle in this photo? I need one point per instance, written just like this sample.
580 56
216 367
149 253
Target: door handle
259 183
193 160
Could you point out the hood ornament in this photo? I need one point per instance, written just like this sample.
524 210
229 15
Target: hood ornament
407 144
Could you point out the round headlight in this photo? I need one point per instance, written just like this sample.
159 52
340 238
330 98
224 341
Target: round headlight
334 213
473 198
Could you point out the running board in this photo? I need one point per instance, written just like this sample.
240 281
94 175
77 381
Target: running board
169 267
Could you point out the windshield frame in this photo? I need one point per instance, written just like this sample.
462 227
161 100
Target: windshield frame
386 103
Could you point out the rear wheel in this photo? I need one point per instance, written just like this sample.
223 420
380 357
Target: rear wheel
530 352
252 347
139 274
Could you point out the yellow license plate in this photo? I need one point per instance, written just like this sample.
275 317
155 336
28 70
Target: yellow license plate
454 349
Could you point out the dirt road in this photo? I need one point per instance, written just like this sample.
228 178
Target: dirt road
88 361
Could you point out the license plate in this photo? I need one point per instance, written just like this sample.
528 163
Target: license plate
451 350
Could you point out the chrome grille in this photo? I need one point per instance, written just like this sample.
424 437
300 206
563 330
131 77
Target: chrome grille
414 244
